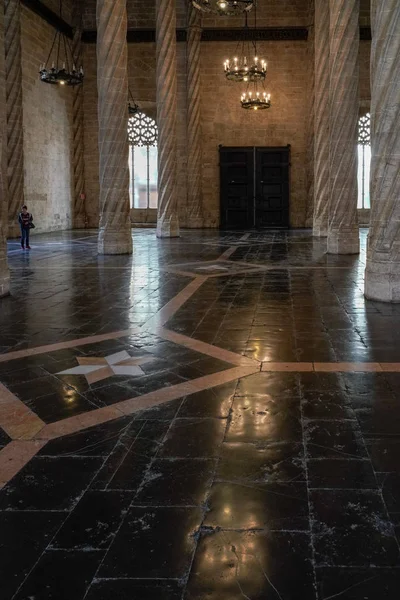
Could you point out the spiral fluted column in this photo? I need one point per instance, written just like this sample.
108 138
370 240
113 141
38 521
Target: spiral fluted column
309 205
79 213
15 139
343 233
321 119
382 275
167 217
112 84
4 272
194 140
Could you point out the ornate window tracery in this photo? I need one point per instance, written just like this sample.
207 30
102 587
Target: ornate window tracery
142 135
364 160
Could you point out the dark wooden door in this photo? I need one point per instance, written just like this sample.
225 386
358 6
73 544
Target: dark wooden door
272 187
237 188
254 187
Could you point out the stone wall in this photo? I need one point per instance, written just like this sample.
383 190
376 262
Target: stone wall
365 79
223 119
47 132
226 122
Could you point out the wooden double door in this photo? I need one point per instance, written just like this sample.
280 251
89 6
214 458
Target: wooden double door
254 185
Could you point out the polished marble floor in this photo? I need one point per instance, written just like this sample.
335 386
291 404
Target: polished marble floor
216 417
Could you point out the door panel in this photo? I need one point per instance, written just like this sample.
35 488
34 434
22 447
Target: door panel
254 187
272 187
237 188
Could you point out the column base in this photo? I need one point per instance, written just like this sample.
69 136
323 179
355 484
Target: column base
345 241
111 241
4 281
168 228
382 281
13 231
320 230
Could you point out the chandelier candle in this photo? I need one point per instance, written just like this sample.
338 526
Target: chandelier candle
224 7
256 101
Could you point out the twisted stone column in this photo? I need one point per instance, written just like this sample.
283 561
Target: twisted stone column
343 233
4 272
79 213
15 139
321 119
382 275
167 217
309 205
112 83
194 157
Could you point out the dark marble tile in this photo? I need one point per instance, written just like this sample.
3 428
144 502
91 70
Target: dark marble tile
275 506
341 473
161 412
191 478
49 483
24 375
4 438
130 589
351 528
277 462
321 382
257 419
95 441
384 454
391 491
161 544
231 565
193 438
276 385
60 575
24 536
382 419
334 439
323 405
214 402
126 466
358 583
93 523
61 405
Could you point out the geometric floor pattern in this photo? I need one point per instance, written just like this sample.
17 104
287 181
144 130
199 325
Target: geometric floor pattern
215 419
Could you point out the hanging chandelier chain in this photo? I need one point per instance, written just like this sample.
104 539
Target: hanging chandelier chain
246 66
64 70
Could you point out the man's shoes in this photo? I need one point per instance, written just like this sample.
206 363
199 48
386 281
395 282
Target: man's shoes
28 247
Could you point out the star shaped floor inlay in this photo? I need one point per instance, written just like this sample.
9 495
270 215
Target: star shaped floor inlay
98 368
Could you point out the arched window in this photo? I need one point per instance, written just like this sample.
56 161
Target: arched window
142 133
364 160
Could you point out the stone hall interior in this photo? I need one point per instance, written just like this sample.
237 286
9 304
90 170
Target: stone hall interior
200 300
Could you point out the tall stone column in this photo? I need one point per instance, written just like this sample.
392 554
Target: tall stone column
4 272
79 213
167 217
112 84
382 275
194 141
310 139
15 138
321 119
343 233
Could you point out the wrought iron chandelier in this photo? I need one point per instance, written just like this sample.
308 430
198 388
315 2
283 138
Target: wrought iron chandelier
63 70
224 7
255 99
246 66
